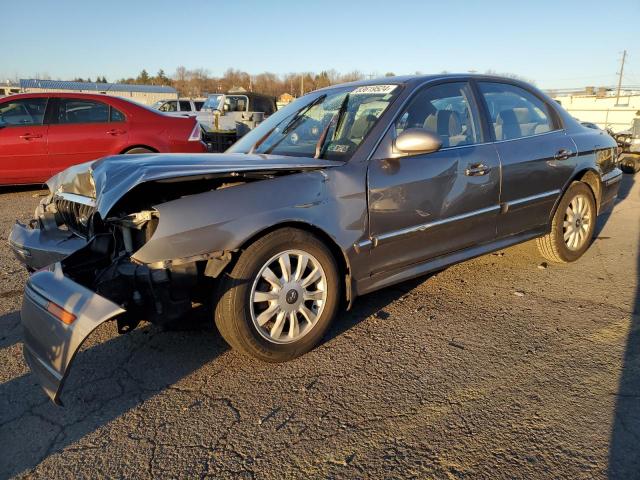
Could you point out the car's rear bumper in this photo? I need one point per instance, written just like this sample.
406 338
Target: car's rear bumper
36 248
50 344
610 187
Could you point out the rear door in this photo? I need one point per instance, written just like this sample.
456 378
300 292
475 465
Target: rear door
83 130
426 205
23 141
537 155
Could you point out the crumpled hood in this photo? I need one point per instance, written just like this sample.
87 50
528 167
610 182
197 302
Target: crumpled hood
108 179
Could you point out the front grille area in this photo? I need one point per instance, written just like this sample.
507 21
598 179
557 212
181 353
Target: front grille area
74 215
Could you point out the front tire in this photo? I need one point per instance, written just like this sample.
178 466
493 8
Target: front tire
572 226
280 297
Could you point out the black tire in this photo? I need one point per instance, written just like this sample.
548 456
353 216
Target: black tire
138 150
233 310
630 165
553 245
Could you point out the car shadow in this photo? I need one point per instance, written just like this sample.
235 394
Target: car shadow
623 192
110 378
22 188
9 329
624 448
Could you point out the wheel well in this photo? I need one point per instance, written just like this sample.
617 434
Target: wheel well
593 180
131 147
336 251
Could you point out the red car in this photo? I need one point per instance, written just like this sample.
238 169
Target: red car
42 134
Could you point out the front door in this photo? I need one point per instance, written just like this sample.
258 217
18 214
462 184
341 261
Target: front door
537 156
84 130
23 141
426 205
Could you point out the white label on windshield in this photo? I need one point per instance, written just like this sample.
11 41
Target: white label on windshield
374 89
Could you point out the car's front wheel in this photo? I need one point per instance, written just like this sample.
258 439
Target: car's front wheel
572 226
280 297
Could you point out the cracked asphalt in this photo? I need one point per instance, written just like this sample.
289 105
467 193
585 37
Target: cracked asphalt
494 368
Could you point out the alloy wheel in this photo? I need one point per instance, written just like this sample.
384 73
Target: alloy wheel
577 222
287 296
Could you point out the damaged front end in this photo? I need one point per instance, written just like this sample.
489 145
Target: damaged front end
59 228
64 303
143 246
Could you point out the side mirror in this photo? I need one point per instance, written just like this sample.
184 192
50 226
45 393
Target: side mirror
417 140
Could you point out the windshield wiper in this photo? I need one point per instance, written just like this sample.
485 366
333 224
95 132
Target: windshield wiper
288 127
298 116
261 140
295 121
337 119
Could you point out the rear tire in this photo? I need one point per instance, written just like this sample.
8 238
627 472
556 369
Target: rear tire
572 226
630 164
281 296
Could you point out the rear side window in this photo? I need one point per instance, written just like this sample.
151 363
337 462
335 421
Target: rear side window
28 111
171 106
235 103
446 110
116 115
198 105
515 112
82 111
185 106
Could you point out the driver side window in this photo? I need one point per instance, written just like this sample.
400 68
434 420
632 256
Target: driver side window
446 110
28 111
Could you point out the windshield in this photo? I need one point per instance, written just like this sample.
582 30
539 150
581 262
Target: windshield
158 104
212 103
327 125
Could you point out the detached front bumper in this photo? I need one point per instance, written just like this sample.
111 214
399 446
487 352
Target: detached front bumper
57 316
37 248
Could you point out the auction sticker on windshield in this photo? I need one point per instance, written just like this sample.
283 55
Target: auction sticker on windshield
373 89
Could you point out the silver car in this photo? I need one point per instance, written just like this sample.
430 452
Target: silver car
345 191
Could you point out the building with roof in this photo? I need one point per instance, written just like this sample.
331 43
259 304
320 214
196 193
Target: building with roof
601 106
9 88
145 94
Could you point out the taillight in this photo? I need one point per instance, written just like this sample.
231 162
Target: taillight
196 133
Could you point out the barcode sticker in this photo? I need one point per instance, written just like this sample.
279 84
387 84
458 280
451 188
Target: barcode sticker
374 89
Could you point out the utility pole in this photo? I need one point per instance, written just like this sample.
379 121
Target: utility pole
301 84
624 56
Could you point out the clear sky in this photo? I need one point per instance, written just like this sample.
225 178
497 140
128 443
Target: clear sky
555 43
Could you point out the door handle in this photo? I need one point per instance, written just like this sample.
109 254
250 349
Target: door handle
30 136
563 154
115 131
476 170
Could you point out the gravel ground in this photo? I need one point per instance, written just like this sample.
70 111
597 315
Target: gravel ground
501 367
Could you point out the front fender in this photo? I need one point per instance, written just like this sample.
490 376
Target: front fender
223 219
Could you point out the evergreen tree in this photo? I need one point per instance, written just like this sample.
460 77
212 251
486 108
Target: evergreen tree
143 77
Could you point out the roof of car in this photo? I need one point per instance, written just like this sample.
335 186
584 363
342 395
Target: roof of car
411 79
94 96
93 86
